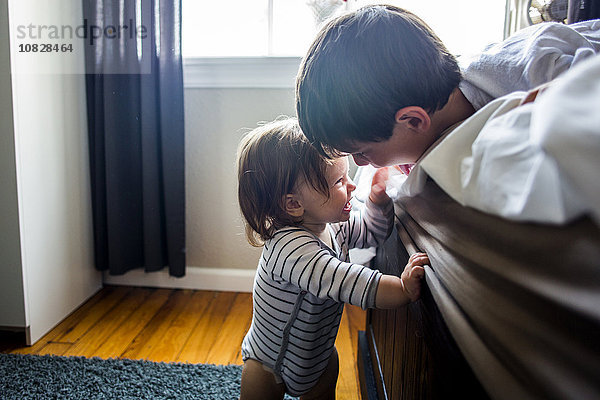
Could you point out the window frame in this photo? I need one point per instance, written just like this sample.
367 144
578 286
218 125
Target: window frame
240 72
261 72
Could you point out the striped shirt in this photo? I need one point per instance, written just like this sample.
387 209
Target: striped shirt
300 289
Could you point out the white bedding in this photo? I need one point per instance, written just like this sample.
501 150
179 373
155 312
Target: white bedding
528 58
536 162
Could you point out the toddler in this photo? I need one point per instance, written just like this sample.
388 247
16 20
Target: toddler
296 204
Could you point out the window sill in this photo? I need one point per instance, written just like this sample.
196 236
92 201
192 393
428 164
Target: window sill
240 72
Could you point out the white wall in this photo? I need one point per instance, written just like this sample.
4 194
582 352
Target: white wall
216 119
12 294
53 187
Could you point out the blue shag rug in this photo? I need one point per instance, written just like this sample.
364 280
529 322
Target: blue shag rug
45 377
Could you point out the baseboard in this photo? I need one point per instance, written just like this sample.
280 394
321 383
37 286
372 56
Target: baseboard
217 279
21 334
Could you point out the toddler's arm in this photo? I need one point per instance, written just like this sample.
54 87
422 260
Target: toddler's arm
394 292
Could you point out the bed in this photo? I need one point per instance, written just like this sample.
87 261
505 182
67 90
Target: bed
511 302
510 310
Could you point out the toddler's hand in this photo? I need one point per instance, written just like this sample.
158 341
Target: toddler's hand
412 274
378 194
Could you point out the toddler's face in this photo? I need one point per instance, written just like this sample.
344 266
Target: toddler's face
319 210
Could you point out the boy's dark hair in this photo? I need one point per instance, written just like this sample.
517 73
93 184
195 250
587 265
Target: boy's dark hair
362 68
272 160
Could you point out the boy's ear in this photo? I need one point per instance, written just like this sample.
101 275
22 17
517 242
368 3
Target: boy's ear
414 117
293 205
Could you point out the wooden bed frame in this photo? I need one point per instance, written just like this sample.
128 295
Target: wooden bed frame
410 353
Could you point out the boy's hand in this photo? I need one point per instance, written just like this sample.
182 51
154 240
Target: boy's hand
412 275
378 194
535 92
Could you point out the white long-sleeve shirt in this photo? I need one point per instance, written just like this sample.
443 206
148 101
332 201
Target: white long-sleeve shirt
530 57
299 292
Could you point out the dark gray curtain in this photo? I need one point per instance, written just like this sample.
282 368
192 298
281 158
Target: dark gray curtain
134 88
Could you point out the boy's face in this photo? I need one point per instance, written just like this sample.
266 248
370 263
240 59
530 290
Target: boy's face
318 210
405 146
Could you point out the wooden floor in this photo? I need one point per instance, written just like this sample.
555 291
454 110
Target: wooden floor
168 325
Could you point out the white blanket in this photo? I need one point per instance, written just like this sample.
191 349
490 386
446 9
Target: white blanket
529 58
536 162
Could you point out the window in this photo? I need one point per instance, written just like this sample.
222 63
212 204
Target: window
236 35
238 28
465 26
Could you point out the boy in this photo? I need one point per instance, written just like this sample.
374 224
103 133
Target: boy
379 84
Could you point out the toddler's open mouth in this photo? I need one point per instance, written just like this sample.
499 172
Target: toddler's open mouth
347 207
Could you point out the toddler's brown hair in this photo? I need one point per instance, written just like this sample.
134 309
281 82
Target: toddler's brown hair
271 161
